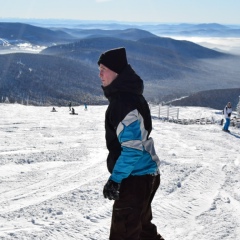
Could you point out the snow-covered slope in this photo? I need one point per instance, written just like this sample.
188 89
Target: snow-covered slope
52 171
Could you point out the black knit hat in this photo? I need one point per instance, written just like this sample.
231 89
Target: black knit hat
114 59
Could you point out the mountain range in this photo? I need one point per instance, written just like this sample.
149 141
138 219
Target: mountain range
66 70
197 30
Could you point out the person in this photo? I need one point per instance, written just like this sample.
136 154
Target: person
132 161
85 107
70 105
73 112
53 109
227 111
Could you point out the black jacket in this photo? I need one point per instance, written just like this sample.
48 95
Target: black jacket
125 96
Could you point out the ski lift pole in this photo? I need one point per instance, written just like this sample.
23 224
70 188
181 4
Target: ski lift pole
238 107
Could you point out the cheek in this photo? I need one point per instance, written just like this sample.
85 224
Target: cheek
112 76
109 78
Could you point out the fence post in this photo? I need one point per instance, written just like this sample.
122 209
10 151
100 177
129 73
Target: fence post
159 111
238 108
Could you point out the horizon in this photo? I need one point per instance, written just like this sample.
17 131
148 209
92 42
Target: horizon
83 21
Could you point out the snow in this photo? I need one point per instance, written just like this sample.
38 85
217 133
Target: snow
52 171
7 47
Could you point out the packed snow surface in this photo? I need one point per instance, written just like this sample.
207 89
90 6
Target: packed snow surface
53 169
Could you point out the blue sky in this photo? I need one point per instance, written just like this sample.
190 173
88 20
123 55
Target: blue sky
162 11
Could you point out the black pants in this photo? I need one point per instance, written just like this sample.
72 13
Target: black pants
132 213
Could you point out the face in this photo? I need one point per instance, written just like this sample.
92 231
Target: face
106 75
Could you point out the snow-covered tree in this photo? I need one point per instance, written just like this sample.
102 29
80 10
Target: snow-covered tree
6 100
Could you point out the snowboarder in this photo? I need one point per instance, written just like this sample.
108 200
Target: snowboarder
73 112
53 109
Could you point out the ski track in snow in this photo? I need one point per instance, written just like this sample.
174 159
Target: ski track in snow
52 171
198 202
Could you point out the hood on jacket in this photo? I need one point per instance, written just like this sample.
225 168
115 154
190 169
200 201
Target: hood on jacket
127 81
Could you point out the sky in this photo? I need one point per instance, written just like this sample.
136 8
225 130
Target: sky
160 11
53 169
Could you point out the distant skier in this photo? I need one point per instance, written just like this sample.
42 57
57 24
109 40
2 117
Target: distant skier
85 105
227 111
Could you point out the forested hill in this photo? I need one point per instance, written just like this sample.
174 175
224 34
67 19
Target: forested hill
217 98
22 32
42 79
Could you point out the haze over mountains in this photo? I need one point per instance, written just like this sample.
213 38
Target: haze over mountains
66 68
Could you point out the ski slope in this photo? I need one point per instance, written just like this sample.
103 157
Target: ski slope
52 171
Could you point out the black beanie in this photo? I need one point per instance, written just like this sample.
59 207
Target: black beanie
114 59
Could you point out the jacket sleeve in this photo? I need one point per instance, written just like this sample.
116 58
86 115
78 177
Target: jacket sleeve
130 137
225 111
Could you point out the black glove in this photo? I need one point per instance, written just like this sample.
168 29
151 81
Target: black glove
229 114
111 190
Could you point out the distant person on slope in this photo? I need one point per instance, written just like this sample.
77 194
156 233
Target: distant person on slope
53 109
132 161
227 111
